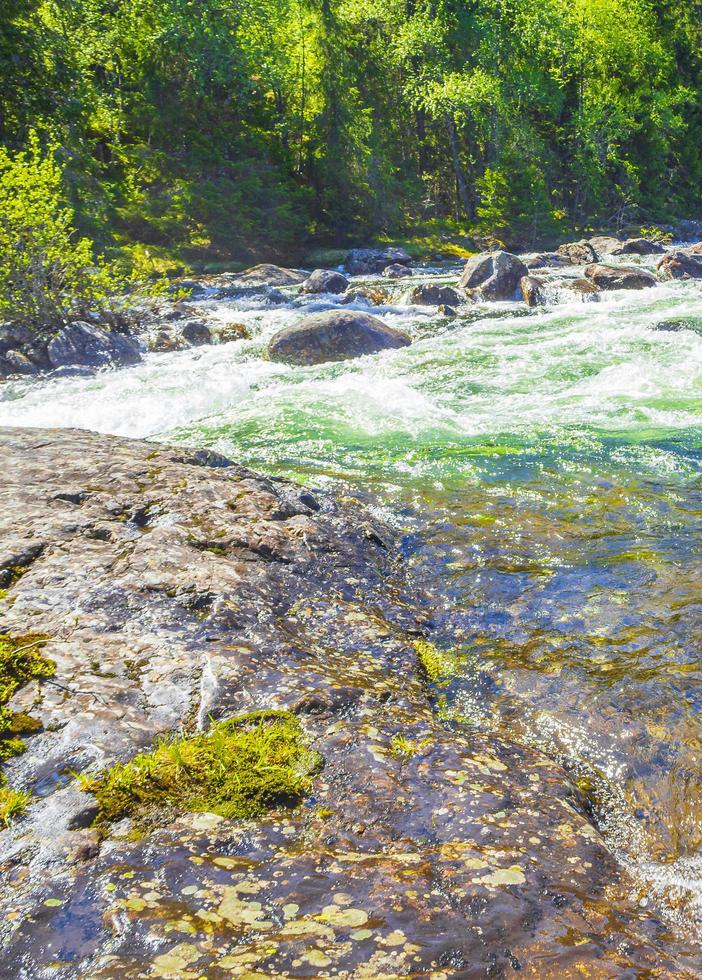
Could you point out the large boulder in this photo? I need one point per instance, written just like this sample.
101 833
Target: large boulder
83 343
369 261
334 335
494 275
271 275
638 246
578 253
619 277
695 249
431 294
325 281
680 265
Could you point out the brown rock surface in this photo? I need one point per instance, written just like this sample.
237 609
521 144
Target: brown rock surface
174 587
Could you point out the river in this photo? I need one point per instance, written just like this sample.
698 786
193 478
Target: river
543 469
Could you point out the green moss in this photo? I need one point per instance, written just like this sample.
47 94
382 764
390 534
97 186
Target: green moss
3 593
237 769
402 747
437 665
13 803
20 663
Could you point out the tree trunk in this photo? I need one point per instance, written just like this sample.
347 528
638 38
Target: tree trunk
461 182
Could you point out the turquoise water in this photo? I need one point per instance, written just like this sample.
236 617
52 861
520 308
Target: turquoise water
543 471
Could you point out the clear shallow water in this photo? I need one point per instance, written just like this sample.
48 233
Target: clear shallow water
545 470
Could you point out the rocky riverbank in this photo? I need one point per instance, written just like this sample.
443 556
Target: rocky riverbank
578 270
174 589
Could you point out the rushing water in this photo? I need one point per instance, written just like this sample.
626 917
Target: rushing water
544 468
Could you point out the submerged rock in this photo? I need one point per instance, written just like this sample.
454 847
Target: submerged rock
325 281
493 275
334 335
83 343
681 265
173 588
619 277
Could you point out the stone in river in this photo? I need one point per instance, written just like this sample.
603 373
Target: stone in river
619 277
83 343
681 265
493 275
334 335
325 281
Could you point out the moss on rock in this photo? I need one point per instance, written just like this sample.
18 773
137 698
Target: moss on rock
237 769
437 665
20 663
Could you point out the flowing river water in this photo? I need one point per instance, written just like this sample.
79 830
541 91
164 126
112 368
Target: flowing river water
543 469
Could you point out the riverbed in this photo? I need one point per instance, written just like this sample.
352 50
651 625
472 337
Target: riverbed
543 470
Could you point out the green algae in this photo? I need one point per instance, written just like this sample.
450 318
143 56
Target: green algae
437 665
237 769
20 663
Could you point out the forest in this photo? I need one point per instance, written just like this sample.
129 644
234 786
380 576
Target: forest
209 130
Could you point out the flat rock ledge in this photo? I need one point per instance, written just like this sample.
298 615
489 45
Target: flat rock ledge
176 587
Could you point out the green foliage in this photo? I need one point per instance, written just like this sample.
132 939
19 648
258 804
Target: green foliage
205 131
237 769
48 274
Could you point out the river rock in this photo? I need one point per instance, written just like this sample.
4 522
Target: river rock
334 335
680 265
578 253
695 249
18 363
174 586
543 260
83 343
266 274
494 275
228 332
637 246
368 294
604 245
532 290
370 261
325 281
196 333
619 277
431 294
581 288
396 271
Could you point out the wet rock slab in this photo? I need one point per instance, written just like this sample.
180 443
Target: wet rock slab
176 587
